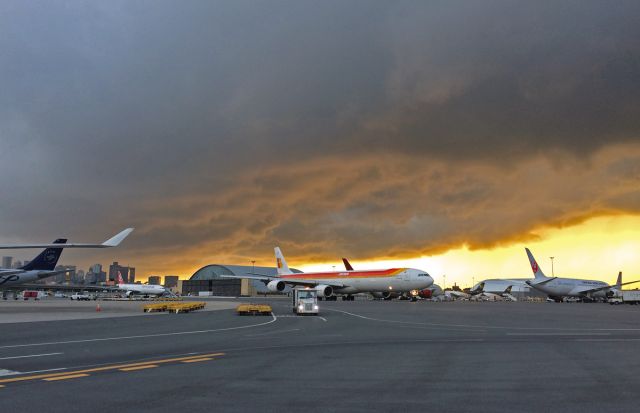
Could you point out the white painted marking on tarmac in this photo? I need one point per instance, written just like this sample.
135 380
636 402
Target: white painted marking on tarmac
30 355
607 339
179 333
43 371
4 372
301 317
481 326
272 332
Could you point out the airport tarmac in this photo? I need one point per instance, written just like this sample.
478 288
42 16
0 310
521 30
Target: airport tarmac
355 356
56 309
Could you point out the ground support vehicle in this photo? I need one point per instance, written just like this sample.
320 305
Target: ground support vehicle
304 301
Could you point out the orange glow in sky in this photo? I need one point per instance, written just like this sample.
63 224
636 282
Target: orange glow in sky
595 249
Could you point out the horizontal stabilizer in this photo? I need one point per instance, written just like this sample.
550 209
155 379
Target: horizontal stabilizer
546 280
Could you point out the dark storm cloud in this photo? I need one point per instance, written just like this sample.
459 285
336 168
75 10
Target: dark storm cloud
194 121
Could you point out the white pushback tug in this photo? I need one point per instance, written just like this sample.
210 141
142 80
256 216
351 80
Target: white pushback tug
304 301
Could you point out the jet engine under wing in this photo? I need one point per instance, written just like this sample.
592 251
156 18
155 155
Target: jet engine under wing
111 242
291 281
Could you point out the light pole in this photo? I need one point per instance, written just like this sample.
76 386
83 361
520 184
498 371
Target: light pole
253 266
552 273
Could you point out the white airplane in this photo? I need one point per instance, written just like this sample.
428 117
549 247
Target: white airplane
557 287
429 292
480 291
142 289
43 265
380 282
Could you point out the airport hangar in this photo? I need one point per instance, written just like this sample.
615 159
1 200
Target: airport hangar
208 281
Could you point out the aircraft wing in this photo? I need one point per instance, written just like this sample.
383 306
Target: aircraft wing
606 287
111 242
533 284
290 281
59 287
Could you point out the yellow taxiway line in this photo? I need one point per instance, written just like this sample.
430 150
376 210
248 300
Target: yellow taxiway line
197 360
71 376
148 366
107 368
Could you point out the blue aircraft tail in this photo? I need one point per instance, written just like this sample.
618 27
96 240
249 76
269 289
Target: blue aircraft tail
47 259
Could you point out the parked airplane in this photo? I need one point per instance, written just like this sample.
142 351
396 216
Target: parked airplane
388 295
143 289
327 284
479 292
44 264
557 287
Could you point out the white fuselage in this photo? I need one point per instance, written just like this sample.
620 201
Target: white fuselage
142 289
13 279
570 287
359 282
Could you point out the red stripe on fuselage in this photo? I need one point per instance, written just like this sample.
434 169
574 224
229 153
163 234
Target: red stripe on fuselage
392 272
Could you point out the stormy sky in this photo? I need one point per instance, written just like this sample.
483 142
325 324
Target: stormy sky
371 129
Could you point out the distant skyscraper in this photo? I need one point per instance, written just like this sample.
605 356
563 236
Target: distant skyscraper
17 264
155 279
170 281
96 268
115 268
132 275
6 262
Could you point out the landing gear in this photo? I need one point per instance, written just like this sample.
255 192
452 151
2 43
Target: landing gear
348 297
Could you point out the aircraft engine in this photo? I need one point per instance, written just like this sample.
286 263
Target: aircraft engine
385 295
426 293
324 290
276 286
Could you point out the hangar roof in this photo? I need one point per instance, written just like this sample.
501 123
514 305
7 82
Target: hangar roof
214 271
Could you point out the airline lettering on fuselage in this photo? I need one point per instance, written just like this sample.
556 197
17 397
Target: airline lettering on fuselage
8 278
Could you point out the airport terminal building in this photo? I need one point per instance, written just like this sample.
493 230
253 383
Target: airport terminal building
208 280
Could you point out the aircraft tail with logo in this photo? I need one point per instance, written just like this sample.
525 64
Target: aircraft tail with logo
120 280
47 259
281 263
537 272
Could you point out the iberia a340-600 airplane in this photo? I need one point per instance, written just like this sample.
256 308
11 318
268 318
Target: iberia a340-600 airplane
328 284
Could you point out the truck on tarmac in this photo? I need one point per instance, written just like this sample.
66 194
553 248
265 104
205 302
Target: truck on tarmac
36 295
626 297
304 301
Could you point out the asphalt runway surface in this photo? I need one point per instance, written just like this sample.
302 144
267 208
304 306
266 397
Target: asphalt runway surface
355 356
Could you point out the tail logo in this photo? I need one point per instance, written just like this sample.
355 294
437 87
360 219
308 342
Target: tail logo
50 257
279 261
534 267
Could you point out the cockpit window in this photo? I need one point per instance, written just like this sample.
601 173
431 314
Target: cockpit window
423 275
